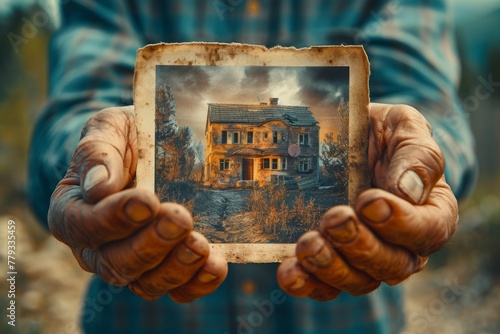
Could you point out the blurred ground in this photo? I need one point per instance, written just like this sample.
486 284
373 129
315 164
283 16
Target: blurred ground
50 285
458 292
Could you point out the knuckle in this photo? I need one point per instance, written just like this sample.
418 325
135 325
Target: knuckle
392 281
115 122
416 265
160 285
411 113
437 157
323 295
145 257
343 277
182 295
136 289
54 223
129 272
151 289
368 287
306 240
173 279
404 271
63 217
78 254
107 270
183 218
85 149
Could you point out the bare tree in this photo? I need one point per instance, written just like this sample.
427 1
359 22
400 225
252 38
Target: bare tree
175 155
334 153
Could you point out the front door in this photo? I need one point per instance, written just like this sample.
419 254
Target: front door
247 169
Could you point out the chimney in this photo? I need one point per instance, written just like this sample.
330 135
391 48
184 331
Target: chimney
273 101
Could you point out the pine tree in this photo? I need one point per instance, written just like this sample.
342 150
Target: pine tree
175 155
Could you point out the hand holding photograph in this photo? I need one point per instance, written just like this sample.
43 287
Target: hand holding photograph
257 143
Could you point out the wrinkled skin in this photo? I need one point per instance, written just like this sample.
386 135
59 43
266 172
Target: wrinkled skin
127 237
392 228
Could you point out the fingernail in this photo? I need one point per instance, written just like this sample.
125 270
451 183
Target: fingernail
206 277
344 233
377 211
300 281
169 230
411 184
94 176
137 211
321 259
186 255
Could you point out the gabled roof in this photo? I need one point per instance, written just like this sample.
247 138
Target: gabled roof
257 114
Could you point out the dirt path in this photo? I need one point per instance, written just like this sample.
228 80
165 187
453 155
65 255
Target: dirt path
225 217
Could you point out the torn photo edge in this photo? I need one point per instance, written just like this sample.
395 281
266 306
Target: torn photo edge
221 54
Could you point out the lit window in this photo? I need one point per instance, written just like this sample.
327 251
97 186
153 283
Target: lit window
224 164
273 163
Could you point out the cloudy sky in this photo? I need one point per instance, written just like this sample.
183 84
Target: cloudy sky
320 88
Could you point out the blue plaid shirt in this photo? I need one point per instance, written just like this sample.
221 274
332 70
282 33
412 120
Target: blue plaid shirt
412 55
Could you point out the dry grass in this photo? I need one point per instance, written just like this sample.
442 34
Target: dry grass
277 213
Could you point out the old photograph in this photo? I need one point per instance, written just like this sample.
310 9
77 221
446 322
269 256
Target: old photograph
256 153
256 143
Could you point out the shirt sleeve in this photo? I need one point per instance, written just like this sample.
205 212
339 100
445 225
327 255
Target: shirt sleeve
414 61
92 58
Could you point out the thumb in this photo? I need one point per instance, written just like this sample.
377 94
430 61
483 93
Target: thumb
105 159
413 161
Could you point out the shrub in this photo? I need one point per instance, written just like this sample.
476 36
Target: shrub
274 212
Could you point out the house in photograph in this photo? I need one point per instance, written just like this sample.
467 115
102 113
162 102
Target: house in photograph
255 144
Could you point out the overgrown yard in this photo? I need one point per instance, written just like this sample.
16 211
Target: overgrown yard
269 214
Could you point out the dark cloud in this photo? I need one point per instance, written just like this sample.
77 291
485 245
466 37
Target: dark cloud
256 79
185 78
194 86
323 85
189 84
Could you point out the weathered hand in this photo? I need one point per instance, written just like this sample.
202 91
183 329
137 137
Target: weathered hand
392 228
122 234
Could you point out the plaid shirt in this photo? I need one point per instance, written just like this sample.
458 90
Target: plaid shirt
412 55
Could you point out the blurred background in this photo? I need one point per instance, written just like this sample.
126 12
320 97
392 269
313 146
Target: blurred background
458 292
